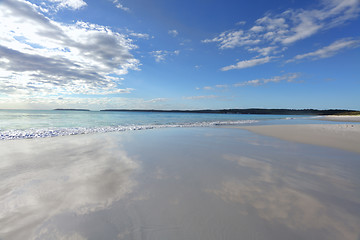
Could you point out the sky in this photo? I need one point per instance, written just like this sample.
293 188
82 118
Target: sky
164 54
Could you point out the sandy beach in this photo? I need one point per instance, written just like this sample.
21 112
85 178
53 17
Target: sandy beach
344 118
185 183
342 136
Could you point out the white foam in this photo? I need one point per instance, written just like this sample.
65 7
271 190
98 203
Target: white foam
54 132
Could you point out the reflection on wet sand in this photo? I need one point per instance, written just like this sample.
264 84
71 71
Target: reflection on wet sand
40 179
218 184
267 191
200 183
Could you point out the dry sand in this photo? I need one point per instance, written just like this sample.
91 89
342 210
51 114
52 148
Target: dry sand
342 136
344 118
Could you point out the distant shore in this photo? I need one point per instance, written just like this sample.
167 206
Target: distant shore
260 111
70 109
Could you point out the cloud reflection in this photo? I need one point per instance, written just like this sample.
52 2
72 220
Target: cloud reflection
270 192
43 178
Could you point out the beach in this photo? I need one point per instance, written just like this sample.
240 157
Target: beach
342 136
181 183
342 118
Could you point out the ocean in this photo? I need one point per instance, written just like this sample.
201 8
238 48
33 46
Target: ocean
25 124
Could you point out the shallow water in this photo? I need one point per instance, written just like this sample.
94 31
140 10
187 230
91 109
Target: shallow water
189 183
27 124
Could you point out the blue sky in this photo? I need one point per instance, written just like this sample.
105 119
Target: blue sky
161 54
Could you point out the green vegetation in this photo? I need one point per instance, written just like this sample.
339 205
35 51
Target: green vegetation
352 113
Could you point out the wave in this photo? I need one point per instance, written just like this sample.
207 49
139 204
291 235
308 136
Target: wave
56 132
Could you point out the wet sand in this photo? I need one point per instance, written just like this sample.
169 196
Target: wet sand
191 183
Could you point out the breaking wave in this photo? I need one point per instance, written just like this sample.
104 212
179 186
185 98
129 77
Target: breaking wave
55 132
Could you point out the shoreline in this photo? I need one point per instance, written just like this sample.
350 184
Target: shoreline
340 136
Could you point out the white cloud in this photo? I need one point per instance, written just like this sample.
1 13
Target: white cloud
266 51
257 28
88 102
140 35
156 100
120 6
272 33
69 4
211 88
247 63
208 88
269 23
201 97
42 56
221 86
257 82
290 77
291 25
232 39
173 32
241 23
160 55
330 50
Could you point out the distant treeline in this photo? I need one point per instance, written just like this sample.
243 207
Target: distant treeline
252 111
70 109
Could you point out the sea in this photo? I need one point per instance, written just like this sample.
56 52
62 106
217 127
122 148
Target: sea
27 124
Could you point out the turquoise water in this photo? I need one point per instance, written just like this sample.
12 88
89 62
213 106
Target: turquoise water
16 124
